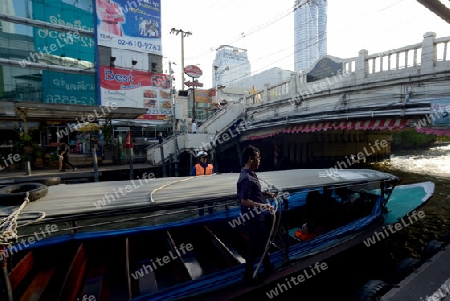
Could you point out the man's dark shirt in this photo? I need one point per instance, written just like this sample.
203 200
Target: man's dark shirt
249 188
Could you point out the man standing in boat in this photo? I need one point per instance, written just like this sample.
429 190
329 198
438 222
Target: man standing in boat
253 207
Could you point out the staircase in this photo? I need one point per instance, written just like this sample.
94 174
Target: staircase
206 133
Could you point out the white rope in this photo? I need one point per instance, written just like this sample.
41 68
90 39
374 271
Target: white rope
175 182
165 185
8 225
269 239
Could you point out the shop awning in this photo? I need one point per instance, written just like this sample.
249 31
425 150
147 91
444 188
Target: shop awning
86 127
374 124
268 135
61 112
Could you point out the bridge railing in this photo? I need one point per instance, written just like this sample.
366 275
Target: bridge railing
405 57
442 48
425 56
431 56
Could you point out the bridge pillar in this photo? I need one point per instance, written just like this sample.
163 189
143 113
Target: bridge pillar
266 93
362 65
293 85
429 53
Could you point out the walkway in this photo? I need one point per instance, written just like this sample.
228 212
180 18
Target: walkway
431 281
8 177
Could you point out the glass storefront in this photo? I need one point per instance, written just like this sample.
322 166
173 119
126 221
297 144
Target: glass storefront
53 64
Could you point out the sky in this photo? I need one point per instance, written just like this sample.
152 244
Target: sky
266 30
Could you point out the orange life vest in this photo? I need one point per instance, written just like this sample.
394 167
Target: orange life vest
303 235
200 171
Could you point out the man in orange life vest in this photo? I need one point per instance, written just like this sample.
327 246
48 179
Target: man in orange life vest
202 167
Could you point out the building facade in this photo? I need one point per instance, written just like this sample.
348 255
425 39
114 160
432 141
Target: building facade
310 32
230 65
47 56
270 77
63 61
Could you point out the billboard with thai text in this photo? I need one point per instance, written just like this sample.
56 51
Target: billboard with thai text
50 43
66 88
136 89
129 24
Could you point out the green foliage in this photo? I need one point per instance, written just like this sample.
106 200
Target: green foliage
410 139
37 150
26 138
107 131
54 156
25 157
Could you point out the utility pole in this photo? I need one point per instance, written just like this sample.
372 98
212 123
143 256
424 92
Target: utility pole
183 34
217 91
172 98
193 100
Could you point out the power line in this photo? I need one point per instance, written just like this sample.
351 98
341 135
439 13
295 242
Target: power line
245 34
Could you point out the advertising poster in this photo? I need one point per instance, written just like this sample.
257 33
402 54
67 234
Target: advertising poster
133 25
73 14
66 88
136 89
202 95
440 109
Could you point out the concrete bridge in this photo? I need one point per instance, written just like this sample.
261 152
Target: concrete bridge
341 115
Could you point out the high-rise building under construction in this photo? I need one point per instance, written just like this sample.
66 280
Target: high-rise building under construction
310 32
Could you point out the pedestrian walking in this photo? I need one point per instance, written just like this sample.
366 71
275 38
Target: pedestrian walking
64 152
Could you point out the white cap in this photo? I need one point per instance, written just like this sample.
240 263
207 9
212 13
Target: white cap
202 154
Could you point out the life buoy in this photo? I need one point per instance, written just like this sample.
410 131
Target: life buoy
403 269
372 290
431 249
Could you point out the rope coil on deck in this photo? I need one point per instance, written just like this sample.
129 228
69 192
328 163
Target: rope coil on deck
8 225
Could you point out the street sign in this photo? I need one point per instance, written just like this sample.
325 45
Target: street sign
193 71
193 84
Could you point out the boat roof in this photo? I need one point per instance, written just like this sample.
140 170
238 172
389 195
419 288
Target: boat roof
119 197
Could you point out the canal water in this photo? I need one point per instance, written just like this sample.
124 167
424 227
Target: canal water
349 271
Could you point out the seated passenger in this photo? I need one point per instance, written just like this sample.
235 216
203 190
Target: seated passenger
330 208
322 211
313 211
